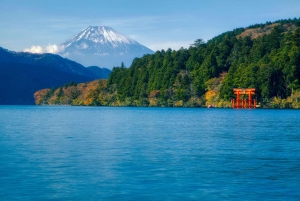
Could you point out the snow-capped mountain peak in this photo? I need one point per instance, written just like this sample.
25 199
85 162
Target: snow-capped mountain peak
100 34
99 43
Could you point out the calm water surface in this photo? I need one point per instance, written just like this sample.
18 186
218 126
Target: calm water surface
101 153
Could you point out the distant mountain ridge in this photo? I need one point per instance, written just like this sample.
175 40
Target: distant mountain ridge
102 46
22 73
50 60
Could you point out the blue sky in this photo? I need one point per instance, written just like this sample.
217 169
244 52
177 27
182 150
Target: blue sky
157 24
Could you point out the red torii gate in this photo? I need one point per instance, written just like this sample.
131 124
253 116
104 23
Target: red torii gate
238 103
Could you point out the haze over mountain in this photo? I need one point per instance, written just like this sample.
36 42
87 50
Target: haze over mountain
102 46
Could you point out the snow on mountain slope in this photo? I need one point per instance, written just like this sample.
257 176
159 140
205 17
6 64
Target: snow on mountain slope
102 35
102 46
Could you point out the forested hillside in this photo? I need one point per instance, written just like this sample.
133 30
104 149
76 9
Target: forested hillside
262 56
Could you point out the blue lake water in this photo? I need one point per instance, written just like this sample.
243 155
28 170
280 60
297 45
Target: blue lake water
103 153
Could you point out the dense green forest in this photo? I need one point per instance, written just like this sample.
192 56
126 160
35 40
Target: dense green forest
262 56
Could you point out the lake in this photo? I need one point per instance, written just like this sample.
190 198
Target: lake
128 153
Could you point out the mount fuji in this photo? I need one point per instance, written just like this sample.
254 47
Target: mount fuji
102 46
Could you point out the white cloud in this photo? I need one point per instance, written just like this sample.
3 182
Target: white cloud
54 49
34 49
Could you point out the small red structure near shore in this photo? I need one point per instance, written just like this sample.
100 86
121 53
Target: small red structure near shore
244 103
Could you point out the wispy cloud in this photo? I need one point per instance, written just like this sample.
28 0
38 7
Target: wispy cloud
34 49
54 49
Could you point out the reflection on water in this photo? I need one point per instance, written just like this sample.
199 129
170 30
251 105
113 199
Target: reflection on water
101 153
